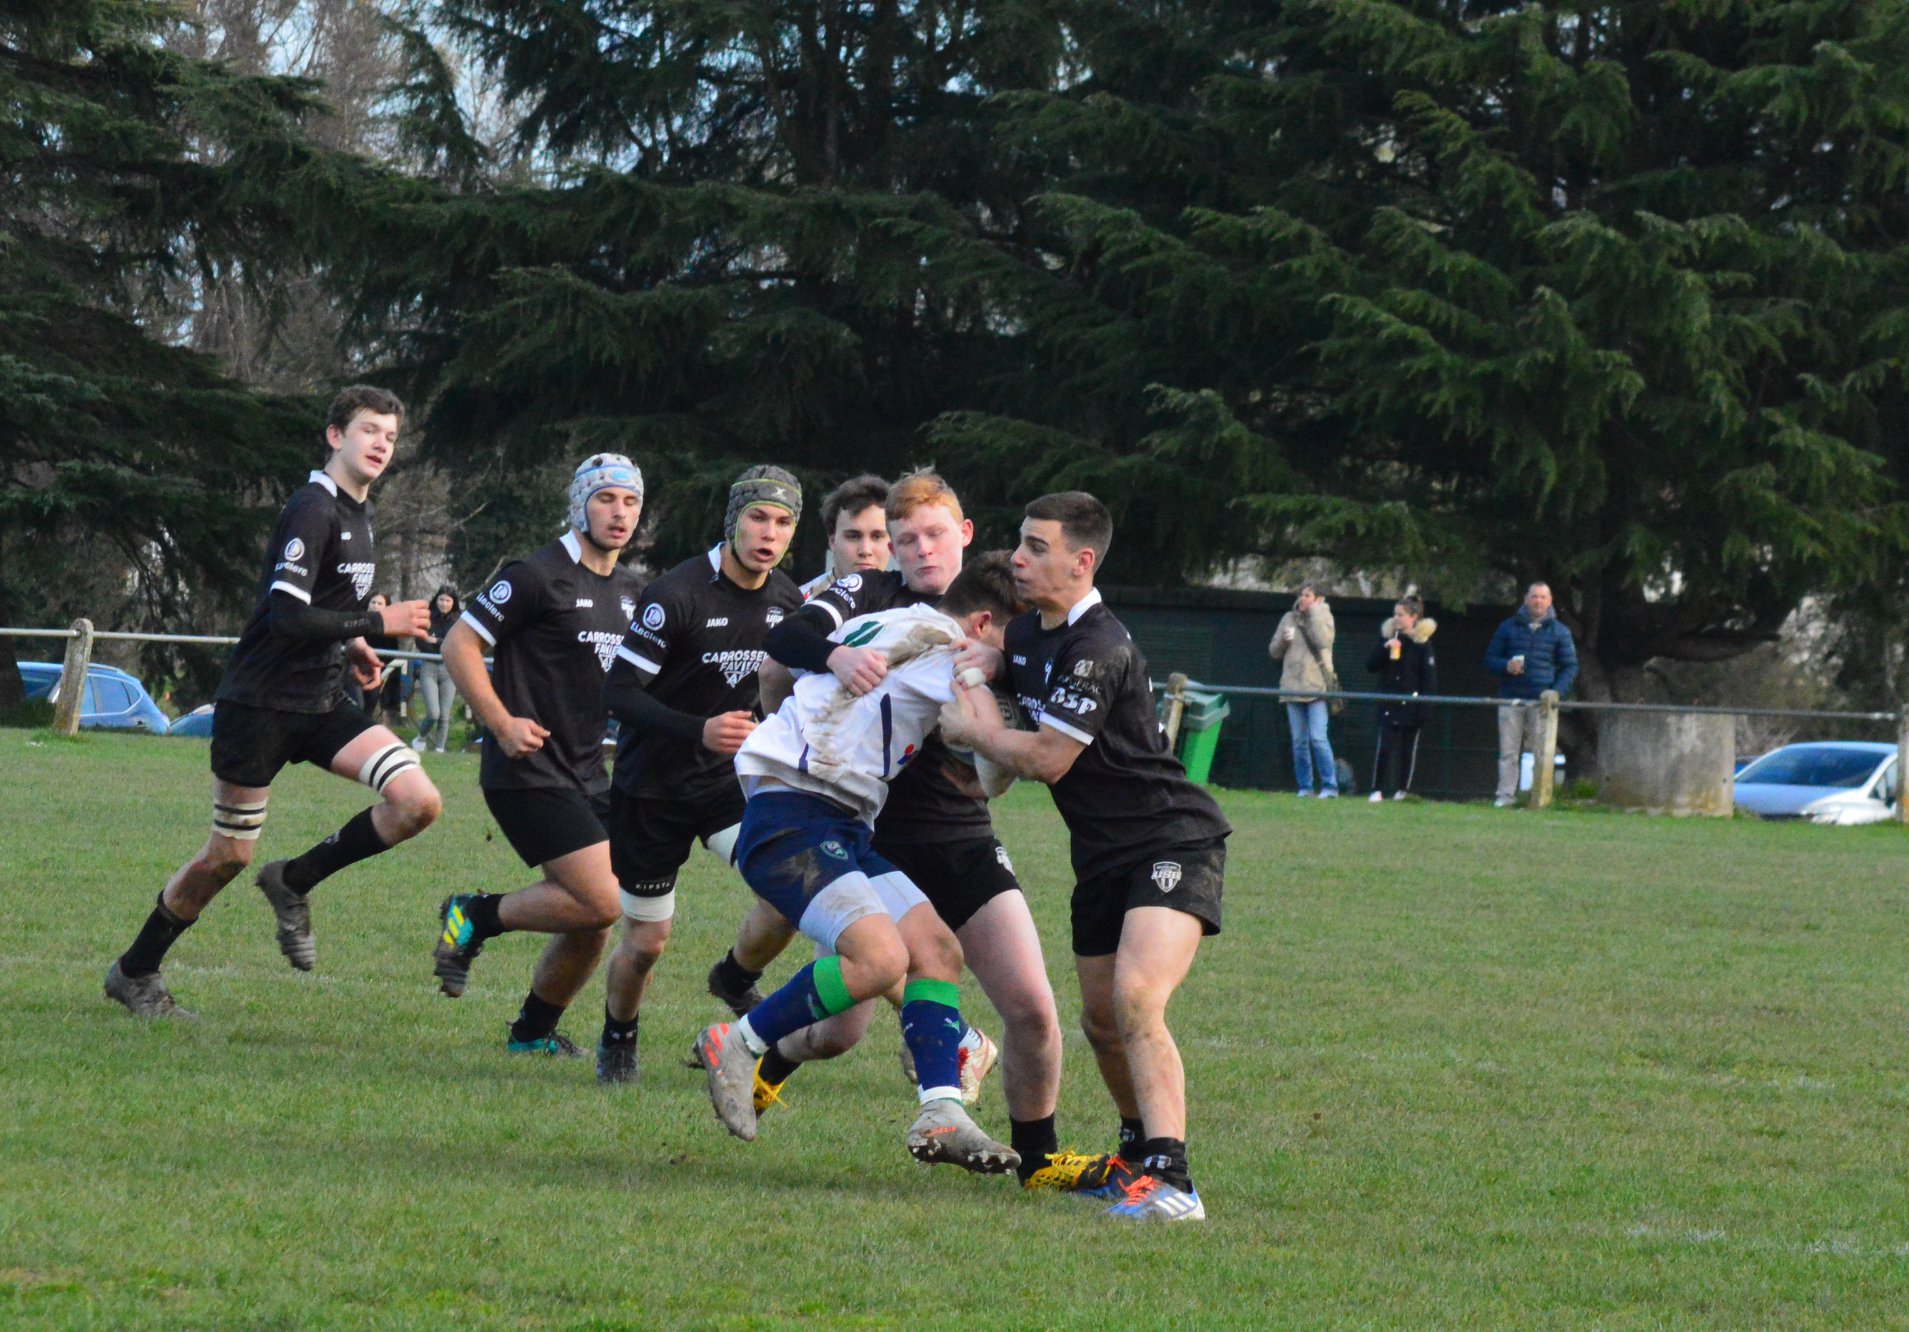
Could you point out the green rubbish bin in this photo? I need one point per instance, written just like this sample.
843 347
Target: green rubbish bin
1200 731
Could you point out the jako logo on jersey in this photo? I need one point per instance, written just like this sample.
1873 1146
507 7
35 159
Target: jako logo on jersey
772 617
584 603
500 592
344 536
1019 660
1166 875
294 550
652 616
720 622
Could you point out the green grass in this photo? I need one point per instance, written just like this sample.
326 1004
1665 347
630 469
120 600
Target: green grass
1448 1066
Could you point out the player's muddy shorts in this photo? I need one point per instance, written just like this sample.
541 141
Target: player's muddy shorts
811 859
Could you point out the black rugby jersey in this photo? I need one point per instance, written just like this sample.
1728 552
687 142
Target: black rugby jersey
937 798
696 644
1126 799
554 626
321 554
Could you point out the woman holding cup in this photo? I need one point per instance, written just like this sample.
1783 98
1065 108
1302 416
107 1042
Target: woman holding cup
1406 666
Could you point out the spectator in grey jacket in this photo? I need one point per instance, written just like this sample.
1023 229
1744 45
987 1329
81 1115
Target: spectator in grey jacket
434 677
1303 642
1531 652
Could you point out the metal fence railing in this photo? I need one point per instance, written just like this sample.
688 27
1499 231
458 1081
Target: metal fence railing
1549 706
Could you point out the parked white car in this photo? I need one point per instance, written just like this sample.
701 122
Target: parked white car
1826 781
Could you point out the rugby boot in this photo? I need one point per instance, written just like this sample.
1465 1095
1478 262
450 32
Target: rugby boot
976 1060
144 996
294 915
1100 1175
736 1001
944 1134
457 945
555 1044
616 1064
1150 1198
730 1068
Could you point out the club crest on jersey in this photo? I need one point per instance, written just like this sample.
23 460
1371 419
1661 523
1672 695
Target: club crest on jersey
629 607
294 550
1083 668
500 592
1001 854
653 616
1166 875
772 617
834 850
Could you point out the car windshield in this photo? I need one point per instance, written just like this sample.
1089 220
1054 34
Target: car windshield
1811 767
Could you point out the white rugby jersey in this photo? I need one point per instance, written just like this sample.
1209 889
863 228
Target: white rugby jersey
825 740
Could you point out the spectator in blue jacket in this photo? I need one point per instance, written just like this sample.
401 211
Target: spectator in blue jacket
1531 652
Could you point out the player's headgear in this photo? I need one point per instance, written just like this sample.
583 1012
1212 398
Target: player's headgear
762 485
601 471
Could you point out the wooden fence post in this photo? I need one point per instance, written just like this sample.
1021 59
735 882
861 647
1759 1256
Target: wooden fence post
1176 705
79 654
1545 760
1902 768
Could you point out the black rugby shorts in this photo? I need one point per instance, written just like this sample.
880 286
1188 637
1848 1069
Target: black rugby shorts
543 823
1185 879
651 834
251 744
957 878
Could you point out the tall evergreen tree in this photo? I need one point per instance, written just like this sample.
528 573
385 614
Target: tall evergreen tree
1612 295
127 164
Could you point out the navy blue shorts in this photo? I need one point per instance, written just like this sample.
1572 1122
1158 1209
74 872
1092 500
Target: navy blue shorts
811 859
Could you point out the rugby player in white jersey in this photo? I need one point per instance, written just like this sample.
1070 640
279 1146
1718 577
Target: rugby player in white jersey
817 774
283 701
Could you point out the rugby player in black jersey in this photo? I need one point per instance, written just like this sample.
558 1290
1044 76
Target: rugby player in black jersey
683 691
282 701
1149 846
554 620
936 829
856 519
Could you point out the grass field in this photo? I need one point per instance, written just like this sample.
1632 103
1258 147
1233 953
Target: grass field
1448 1066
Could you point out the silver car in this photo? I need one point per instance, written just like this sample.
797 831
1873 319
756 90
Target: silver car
1825 781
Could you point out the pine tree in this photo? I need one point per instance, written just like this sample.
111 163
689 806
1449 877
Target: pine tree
1608 295
128 165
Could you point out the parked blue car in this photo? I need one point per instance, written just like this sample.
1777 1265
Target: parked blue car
114 700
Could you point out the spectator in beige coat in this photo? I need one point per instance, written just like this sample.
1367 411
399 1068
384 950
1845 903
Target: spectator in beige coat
1303 643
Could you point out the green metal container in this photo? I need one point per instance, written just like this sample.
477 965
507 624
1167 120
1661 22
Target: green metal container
1200 731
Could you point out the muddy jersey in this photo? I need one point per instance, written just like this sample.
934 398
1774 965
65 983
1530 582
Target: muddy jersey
553 628
320 554
1126 798
826 740
938 799
696 644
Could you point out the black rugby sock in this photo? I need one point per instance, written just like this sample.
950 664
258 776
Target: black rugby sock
776 1066
618 1031
480 909
1165 1158
1132 1134
357 840
160 932
734 974
1033 1139
536 1019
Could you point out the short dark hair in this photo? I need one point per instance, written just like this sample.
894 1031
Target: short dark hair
851 497
362 398
1411 605
985 583
1084 520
